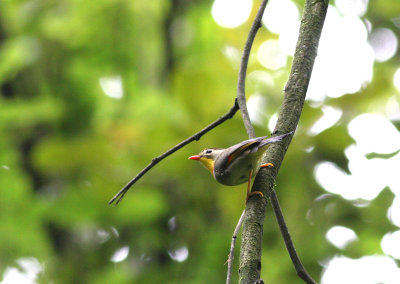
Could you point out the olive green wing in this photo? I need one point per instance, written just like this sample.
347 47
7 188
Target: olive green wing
234 151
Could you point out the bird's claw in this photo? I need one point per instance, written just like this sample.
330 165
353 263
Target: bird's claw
253 193
266 165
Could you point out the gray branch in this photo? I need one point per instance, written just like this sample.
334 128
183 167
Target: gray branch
295 92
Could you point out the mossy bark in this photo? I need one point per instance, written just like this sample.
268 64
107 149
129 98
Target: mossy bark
289 116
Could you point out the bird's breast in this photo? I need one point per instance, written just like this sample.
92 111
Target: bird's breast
234 174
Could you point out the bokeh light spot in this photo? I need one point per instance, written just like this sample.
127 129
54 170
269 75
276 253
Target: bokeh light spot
374 133
272 122
256 105
270 55
231 13
352 7
329 118
343 43
390 244
366 270
396 79
179 254
384 43
120 254
28 270
394 211
340 236
280 15
112 86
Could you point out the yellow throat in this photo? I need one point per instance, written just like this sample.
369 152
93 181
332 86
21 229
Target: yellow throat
208 163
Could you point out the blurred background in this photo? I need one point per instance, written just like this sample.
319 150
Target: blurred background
91 91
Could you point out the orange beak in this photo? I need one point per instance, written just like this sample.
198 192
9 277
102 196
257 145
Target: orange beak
195 157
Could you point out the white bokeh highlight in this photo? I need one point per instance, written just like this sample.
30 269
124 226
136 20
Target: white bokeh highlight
368 177
280 15
27 271
391 244
112 86
396 79
366 270
340 236
120 254
345 59
374 133
352 7
256 105
394 211
384 43
179 254
330 116
271 56
231 13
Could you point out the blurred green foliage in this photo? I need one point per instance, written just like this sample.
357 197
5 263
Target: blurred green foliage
67 147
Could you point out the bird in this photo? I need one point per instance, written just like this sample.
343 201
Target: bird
237 164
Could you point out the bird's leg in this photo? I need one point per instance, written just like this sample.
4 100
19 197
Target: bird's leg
248 188
266 165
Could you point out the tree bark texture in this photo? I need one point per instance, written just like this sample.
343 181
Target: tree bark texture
295 92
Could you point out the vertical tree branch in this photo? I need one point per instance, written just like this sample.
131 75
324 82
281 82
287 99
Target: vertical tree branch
295 92
241 100
232 250
241 97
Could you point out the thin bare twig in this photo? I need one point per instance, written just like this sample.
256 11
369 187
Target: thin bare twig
118 197
232 250
241 99
301 271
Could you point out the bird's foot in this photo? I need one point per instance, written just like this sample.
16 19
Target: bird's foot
253 193
267 165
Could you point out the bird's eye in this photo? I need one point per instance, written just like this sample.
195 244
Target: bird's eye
208 151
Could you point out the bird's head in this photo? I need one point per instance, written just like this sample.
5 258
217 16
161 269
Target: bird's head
207 157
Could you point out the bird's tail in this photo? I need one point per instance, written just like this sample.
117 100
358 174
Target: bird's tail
274 139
